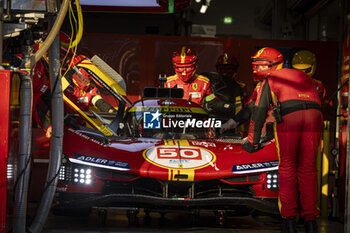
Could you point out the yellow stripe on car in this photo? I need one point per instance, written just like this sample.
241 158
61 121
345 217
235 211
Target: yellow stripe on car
181 174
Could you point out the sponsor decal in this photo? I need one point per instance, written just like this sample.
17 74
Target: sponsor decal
184 157
255 167
43 88
168 109
168 102
100 162
205 144
87 137
83 100
151 120
195 95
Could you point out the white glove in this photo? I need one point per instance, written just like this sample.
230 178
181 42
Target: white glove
230 124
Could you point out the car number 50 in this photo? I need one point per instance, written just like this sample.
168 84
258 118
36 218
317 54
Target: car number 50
176 153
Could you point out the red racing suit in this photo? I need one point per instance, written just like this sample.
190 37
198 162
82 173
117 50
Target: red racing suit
41 95
198 88
297 129
83 99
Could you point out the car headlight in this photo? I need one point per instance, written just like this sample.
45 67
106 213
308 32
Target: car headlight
9 171
82 175
62 174
272 181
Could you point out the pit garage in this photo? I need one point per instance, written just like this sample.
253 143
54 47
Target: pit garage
93 140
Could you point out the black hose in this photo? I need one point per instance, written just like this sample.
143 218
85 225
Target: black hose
56 140
25 135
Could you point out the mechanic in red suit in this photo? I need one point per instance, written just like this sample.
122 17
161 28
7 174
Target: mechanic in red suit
305 61
41 85
298 123
245 114
196 87
82 92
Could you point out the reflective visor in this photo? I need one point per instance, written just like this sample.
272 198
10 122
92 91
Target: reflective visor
259 63
82 79
185 71
303 67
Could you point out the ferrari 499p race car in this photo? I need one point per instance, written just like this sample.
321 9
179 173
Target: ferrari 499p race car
159 153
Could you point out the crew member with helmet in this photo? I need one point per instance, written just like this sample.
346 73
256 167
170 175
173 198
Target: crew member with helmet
244 114
196 87
305 61
82 91
298 124
227 65
228 94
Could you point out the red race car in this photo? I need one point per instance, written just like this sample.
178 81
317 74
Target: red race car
160 153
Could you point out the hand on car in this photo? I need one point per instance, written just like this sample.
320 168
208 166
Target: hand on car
230 124
48 132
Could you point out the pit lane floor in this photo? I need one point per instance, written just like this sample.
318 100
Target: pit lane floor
207 222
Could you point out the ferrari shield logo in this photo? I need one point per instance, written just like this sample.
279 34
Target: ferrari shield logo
194 86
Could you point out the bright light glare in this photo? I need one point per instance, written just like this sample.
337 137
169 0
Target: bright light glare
228 20
203 9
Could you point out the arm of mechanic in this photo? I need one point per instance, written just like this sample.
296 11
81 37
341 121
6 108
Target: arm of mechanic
259 114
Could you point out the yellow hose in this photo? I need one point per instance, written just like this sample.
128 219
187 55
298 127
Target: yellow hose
80 22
